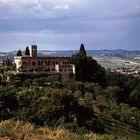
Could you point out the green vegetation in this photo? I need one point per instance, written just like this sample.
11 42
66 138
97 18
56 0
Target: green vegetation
19 53
78 110
87 69
48 106
41 107
27 51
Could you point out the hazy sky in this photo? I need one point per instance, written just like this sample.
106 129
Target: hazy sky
65 24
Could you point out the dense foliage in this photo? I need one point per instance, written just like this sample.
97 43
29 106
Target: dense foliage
27 51
99 101
127 88
87 69
19 53
7 61
82 50
48 106
46 101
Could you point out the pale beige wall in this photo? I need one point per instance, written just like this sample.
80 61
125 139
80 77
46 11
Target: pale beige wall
18 62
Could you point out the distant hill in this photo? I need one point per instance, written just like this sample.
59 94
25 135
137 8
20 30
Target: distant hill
118 53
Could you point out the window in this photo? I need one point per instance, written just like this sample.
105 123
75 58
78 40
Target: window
39 63
46 63
33 63
49 62
24 63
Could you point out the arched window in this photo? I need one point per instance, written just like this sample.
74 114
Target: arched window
24 63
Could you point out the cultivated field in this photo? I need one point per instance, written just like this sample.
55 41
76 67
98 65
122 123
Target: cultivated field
116 62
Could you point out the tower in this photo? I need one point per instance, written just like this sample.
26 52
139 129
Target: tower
33 50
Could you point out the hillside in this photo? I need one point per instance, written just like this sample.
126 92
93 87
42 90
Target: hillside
97 104
17 130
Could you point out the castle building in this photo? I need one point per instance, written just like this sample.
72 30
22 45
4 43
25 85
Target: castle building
49 64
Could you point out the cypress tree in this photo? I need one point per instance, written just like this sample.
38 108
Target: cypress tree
27 51
19 53
82 50
87 69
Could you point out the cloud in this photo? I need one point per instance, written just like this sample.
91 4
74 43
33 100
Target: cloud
49 8
98 23
38 8
64 6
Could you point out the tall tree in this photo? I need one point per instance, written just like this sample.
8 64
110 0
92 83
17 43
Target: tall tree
82 50
87 69
19 53
27 51
7 61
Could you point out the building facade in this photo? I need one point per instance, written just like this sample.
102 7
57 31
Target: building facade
48 64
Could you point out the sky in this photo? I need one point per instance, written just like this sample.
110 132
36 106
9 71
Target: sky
65 24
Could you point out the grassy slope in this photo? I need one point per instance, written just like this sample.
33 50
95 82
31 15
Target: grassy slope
118 127
20 131
17 130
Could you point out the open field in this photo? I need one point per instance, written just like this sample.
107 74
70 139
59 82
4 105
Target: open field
116 62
